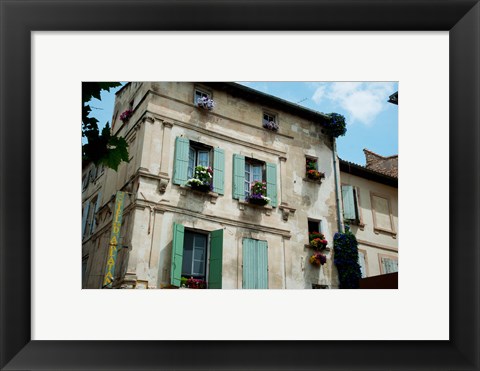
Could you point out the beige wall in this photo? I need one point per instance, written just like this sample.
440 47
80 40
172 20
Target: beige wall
164 111
377 232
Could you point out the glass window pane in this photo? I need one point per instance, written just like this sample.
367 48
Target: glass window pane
203 158
198 268
257 173
191 163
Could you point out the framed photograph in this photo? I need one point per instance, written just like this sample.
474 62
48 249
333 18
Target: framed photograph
48 322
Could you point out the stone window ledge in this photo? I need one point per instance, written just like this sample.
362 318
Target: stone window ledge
319 181
213 195
386 231
266 208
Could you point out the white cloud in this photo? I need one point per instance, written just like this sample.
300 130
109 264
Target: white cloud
363 101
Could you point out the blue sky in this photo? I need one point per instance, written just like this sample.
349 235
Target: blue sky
372 122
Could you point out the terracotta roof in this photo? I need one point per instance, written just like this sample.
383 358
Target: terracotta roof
364 172
381 164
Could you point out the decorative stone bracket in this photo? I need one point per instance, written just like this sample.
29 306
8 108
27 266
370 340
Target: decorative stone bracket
286 211
213 195
163 182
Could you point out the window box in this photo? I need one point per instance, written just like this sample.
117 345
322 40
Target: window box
202 179
125 116
204 100
311 170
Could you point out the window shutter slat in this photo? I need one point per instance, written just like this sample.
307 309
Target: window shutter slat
262 265
272 183
249 264
218 170
180 166
238 177
348 202
177 254
215 265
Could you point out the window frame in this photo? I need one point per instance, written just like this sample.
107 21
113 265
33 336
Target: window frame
253 162
198 147
319 223
270 114
207 254
203 92
365 259
376 228
391 257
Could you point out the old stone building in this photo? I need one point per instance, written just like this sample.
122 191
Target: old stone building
370 207
171 230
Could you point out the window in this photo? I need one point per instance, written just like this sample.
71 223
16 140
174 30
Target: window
194 255
246 171
200 94
362 263
253 173
269 121
314 226
197 255
89 215
189 154
350 204
388 264
382 215
198 155
84 270
255 264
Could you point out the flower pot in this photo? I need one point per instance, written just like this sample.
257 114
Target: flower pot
258 201
200 187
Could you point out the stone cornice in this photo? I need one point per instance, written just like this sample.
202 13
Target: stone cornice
232 222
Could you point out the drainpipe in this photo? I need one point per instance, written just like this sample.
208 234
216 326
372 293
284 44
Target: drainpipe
337 189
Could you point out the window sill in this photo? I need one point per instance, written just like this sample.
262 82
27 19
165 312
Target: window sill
319 181
267 208
380 230
213 195
356 223
322 249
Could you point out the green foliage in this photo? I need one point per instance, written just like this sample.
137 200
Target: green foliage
101 147
345 247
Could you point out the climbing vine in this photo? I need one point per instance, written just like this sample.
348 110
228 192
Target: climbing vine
345 247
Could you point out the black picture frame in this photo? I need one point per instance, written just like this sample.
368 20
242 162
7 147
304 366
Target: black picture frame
19 18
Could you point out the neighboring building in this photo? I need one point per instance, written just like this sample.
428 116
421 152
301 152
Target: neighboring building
92 182
170 231
370 207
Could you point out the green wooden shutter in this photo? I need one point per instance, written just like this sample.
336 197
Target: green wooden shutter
238 177
180 165
218 170
272 183
348 202
255 264
215 264
249 264
262 265
177 254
